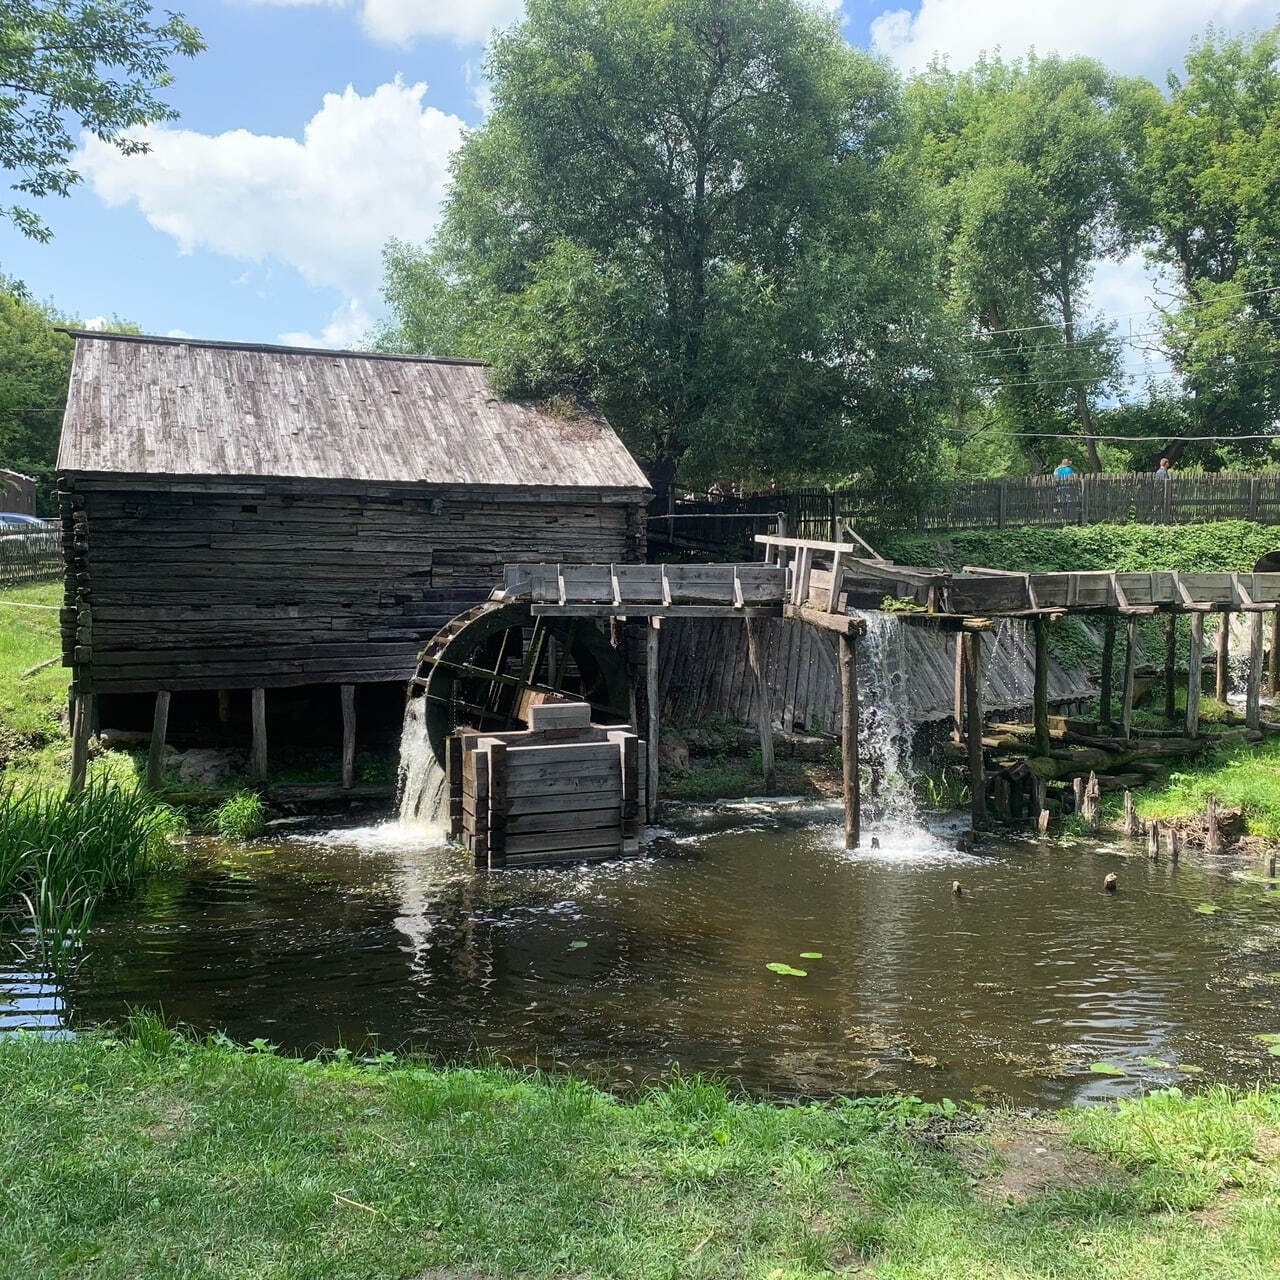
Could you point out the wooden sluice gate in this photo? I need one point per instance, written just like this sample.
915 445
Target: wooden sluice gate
563 790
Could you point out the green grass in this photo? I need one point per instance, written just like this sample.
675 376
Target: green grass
152 1156
241 817
30 708
1239 775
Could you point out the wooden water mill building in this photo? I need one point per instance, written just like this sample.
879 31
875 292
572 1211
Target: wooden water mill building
244 523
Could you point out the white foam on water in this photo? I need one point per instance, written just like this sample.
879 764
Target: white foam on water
423 807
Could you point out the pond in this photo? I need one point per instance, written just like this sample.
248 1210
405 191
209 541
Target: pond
1018 988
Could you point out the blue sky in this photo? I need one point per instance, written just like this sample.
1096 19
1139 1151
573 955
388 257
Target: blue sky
311 130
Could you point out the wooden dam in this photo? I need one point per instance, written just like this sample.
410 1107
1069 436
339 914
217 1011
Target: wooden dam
819 584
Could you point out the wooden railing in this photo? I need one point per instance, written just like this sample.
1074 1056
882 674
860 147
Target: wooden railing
728 524
30 557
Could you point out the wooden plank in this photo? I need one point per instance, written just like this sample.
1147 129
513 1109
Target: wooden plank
850 777
347 694
498 754
551 844
554 715
1195 675
1040 686
1222 665
155 750
652 696
973 707
258 746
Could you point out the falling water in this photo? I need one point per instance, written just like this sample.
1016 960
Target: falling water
423 791
891 812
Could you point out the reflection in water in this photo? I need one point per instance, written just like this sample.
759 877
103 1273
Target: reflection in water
1018 986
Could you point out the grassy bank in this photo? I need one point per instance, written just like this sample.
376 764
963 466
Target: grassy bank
1243 775
157 1157
32 706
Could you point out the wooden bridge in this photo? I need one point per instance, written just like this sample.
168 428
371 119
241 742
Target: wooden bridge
820 582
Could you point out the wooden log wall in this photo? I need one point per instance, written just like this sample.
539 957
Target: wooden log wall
251 584
705 669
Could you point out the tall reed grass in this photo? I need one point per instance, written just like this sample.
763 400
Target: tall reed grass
61 855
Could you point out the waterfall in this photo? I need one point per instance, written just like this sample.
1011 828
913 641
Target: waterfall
424 797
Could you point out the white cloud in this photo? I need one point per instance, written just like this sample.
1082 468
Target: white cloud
96 322
1147 36
366 169
401 22
346 330
178 333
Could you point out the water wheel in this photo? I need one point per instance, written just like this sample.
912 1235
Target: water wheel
487 666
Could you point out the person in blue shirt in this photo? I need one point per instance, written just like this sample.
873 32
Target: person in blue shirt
1064 469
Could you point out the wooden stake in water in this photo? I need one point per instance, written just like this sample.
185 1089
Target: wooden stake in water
1174 844
1153 840
1130 816
1213 837
1092 802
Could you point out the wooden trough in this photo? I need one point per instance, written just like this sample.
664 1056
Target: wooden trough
563 790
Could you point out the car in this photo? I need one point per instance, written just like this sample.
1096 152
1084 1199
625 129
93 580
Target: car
17 522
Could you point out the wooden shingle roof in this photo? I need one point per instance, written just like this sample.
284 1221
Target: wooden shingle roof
173 407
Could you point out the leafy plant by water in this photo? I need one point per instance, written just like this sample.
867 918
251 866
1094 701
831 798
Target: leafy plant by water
241 817
60 855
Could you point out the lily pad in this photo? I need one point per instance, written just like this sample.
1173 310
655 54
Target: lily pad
1272 1040
776 966
577 945
1188 1069
1156 1062
1106 1069
811 955
1206 909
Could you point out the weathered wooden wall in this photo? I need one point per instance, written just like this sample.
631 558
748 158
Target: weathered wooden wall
704 671
237 583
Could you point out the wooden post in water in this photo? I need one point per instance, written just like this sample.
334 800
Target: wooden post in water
1040 694
81 724
1253 697
1222 668
1107 671
1170 662
155 750
348 694
973 701
1130 816
1130 658
258 749
1195 675
957 693
764 705
651 692
849 739
1213 836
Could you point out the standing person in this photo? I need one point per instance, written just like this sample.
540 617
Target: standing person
1064 470
1162 471
1063 473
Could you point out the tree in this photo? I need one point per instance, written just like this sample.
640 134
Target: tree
697 216
1210 199
1033 161
99 62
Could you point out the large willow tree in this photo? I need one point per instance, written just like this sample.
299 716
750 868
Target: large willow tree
698 216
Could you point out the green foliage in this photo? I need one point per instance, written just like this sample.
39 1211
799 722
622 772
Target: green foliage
145 1153
241 817
1031 160
30 705
1207 199
98 63
701 219
61 855
943 787
1239 775
1231 545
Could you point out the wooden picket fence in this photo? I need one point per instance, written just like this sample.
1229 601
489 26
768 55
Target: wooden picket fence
30 557
718 524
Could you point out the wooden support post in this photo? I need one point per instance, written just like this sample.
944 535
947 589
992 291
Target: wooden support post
1153 840
651 691
1130 659
957 695
1222 671
1213 835
765 707
348 693
1040 695
258 749
81 726
1253 696
1174 845
1092 802
849 740
1170 662
1195 675
155 751
497 754
224 706
1108 668
1273 675
973 707
1077 793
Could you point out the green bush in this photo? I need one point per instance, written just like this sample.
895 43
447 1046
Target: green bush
241 817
